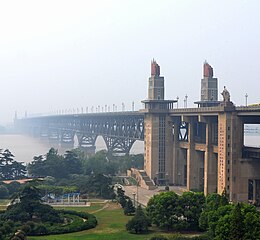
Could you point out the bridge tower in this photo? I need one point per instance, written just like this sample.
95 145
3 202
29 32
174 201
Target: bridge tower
209 88
158 136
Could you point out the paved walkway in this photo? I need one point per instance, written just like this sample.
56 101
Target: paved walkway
143 195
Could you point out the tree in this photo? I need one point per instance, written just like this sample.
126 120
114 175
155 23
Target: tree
37 167
129 208
252 225
139 223
26 206
237 224
73 165
212 203
191 204
9 168
121 198
164 209
19 170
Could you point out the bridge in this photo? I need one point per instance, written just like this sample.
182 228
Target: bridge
119 130
201 148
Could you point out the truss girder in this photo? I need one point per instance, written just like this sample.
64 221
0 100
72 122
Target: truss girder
118 145
119 131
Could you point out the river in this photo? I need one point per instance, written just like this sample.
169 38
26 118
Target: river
24 148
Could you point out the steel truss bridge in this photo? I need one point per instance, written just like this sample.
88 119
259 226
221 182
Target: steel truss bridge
119 130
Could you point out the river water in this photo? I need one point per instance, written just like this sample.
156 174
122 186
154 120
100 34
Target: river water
24 148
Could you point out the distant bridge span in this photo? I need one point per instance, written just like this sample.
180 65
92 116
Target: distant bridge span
119 130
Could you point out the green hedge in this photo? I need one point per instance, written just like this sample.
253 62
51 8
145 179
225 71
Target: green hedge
75 224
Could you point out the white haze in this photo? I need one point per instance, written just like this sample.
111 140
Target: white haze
58 55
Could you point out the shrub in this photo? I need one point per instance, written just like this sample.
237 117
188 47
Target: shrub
139 223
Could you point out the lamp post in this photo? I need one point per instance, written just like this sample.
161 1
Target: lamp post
177 101
166 178
134 197
137 183
179 178
186 101
246 96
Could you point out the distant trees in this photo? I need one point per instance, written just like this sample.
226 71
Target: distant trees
9 168
55 165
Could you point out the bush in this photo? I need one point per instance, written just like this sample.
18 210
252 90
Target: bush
76 224
139 223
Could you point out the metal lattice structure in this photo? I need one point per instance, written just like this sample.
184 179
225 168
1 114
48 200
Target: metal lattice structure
119 130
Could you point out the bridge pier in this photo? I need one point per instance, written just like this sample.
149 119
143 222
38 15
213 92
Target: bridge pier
210 160
192 159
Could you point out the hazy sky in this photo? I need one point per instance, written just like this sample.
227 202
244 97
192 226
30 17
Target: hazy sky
70 54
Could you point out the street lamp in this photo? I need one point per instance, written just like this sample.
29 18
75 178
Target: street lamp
177 101
134 197
166 178
186 100
179 178
246 98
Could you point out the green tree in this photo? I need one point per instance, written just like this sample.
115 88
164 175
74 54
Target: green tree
19 170
237 224
6 161
191 208
213 202
9 168
72 163
252 225
37 167
164 210
129 208
139 223
26 205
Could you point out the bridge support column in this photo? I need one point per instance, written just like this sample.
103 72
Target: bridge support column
192 160
210 162
176 154
230 144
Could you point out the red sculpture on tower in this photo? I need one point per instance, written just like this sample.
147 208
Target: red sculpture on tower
207 70
155 68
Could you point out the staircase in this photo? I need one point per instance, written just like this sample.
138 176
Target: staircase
148 181
143 179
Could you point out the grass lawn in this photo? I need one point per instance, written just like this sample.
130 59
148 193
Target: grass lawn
111 225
